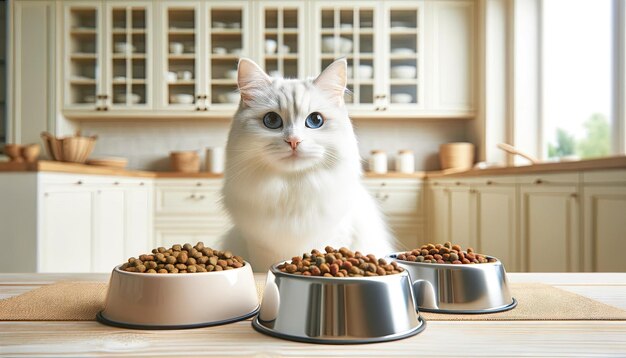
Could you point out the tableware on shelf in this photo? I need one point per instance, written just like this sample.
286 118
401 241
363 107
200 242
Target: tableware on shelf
285 49
219 25
185 161
231 74
401 98
189 47
401 25
119 78
465 288
123 47
366 72
378 162
214 160
112 162
403 71
234 25
270 46
403 51
30 152
275 74
237 51
459 155
182 98
405 161
184 75
230 97
345 26
338 310
171 76
336 44
178 301
14 152
219 50
134 98
176 48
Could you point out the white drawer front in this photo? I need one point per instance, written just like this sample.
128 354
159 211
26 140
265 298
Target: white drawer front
396 201
185 200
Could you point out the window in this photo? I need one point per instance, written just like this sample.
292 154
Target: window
577 77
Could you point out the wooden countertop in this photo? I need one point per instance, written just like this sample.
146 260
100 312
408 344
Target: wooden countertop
441 338
616 162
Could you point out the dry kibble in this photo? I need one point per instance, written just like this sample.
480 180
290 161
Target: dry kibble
183 259
339 263
444 254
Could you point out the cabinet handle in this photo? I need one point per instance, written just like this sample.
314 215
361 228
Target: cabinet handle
198 184
385 108
197 108
105 108
538 181
457 183
377 109
192 196
573 195
201 197
80 182
141 184
473 191
489 182
116 183
205 109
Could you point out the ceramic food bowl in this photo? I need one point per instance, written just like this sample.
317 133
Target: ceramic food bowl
470 288
178 301
338 310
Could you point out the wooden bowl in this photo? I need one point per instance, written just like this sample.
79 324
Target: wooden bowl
13 151
185 161
30 152
112 162
74 149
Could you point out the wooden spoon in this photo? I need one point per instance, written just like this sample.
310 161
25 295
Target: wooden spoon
511 149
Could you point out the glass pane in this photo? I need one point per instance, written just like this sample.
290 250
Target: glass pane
83 55
577 78
226 48
181 70
281 41
403 55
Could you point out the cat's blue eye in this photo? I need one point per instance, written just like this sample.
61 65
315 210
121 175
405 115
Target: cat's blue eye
314 120
272 120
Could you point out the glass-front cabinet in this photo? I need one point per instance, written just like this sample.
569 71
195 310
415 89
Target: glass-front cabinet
107 64
347 30
281 38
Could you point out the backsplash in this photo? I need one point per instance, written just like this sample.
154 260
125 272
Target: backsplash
147 145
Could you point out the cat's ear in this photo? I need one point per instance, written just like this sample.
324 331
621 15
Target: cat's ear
251 79
333 79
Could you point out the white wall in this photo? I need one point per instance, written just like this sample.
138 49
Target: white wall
147 144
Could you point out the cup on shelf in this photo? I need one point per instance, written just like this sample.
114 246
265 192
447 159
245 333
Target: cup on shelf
231 74
270 46
219 50
171 77
184 75
378 161
176 48
214 160
405 161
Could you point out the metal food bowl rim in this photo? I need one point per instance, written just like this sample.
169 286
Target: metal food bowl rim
274 270
394 256
118 270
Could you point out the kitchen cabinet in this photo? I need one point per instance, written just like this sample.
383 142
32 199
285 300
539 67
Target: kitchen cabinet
402 203
438 214
107 55
550 223
109 231
604 202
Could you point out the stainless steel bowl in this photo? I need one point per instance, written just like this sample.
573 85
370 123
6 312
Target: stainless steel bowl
338 310
448 288
177 301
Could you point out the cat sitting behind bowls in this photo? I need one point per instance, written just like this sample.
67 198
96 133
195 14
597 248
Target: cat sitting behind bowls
292 180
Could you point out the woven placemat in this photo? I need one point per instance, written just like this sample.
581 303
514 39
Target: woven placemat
80 301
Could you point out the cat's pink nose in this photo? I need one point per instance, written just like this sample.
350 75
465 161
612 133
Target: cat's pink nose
293 142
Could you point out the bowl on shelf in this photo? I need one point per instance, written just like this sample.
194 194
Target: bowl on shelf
171 76
231 74
234 25
182 98
14 152
178 301
402 24
185 161
285 49
366 71
219 50
133 98
30 152
270 46
401 98
75 149
230 97
403 71
237 51
123 47
176 48
465 288
218 25
403 51
185 75
338 310
336 44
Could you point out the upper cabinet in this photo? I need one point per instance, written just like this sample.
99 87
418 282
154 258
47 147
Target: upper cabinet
107 55
406 58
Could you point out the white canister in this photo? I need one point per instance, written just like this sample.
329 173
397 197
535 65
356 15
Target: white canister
214 161
378 161
405 161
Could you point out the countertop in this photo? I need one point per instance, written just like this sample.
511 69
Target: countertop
441 338
615 162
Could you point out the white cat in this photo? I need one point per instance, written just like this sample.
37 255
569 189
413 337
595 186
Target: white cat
292 180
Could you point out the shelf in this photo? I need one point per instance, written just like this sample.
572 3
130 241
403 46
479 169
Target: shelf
226 31
287 31
136 81
185 56
182 83
352 31
83 82
83 56
403 81
286 56
407 56
223 81
131 31
403 31
228 56
138 56
181 31
362 56
83 32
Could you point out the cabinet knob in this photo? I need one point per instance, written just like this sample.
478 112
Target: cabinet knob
116 183
489 182
197 108
573 195
141 184
473 191
192 196
538 181
201 197
80 182
198 184
457 183
105 108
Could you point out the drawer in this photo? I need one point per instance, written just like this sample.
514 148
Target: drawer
187 200
398 201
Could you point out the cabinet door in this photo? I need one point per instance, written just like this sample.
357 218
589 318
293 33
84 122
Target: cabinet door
66 231
83 57
348 29
181 47
138 228
550 228
109 221
459 224
605 226
280 39
129 55
403 70
438 214
450 54
227 42
495 218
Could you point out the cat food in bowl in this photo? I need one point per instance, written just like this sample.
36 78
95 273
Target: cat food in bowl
447 279
204 287
329 302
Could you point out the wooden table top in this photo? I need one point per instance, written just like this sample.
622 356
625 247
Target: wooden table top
441 338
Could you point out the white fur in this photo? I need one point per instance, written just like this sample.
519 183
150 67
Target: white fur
284 202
